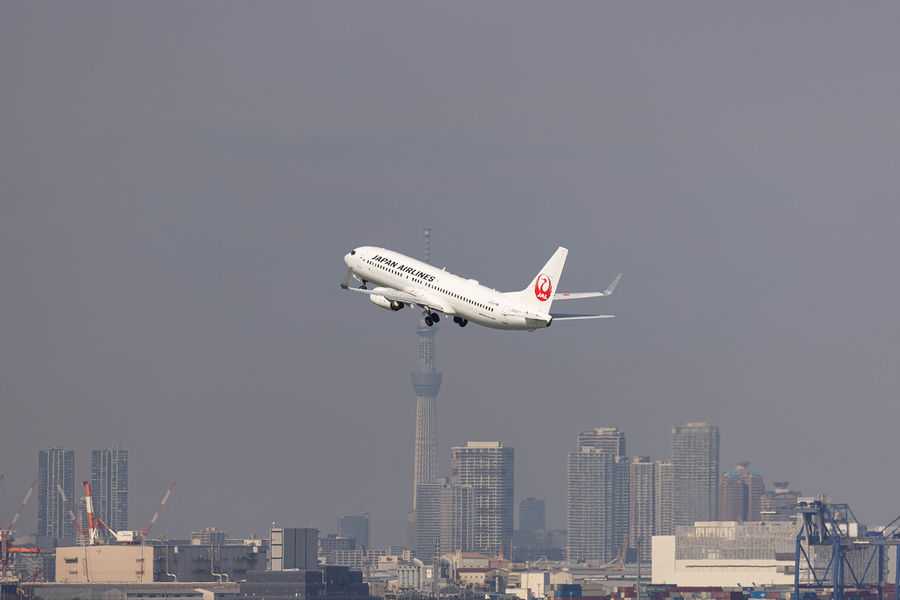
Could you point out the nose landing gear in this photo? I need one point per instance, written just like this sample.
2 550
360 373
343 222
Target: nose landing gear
431 318
460 321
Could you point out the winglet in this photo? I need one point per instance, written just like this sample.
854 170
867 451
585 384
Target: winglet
613 285
345 284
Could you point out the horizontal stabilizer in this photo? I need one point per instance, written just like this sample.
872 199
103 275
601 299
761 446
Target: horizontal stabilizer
572 317
574 295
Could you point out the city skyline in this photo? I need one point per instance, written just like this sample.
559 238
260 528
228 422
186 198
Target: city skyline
632 504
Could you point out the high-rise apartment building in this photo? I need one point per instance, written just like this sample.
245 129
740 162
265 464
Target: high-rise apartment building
457 518
695 462
109 486
606 439
597 495
642 504
356 527
488 468
55 465
532 515
665 495
426 543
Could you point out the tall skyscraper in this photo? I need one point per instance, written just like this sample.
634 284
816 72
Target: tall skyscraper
532 515
732 497
740 494
356 527
695 464
606 439
488 468
426 383
597 505
109 486
642 500
428 519
457 518
665 494
55 465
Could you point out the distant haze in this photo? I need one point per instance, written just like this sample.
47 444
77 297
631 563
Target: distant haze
180 181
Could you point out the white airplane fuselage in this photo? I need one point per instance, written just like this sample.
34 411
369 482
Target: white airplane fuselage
441 290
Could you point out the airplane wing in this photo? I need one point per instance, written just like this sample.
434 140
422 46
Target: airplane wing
573 295
390 294
405 296
574 317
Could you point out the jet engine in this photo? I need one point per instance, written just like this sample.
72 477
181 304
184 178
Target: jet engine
383 302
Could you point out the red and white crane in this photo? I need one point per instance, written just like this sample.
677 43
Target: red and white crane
81 532
134 536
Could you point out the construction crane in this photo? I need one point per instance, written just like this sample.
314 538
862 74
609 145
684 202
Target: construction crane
132 536
82 532
6 533
162 503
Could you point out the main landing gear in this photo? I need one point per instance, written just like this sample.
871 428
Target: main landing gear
431 318
460 321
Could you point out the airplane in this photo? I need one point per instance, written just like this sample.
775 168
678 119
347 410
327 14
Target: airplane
401 281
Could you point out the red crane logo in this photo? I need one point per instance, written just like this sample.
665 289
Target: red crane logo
543 288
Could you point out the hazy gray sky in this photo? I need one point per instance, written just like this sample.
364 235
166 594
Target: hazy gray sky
180 181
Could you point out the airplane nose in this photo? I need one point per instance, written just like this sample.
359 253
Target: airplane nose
347 259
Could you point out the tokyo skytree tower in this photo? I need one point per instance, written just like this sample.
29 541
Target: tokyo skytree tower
426 383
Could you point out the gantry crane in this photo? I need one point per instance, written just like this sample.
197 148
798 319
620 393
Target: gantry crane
834 525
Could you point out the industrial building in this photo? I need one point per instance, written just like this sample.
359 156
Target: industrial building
726 553
294 548
142 563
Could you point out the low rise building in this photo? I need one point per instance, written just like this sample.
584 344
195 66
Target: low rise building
726 553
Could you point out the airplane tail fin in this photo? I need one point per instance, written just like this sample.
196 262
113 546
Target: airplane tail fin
539 293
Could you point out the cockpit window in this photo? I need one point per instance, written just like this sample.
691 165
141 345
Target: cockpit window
352 252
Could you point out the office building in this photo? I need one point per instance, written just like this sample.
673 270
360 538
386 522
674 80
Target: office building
732 497
776 504
532 515
109 486
665 495
55 465
293 548
740 492
488 468
695 464
356 527
642 504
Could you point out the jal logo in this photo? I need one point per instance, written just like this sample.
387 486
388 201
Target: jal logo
543 288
